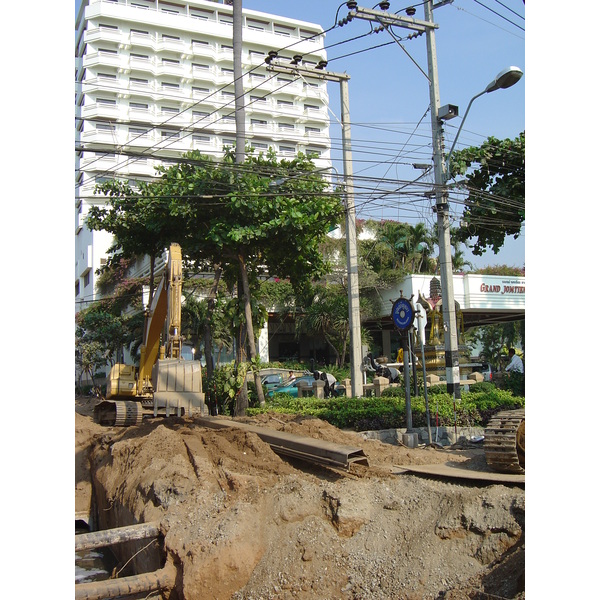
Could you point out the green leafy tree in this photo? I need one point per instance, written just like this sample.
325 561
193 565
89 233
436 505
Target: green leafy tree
495 207
138 219
327 316
496 339
230 215
89 358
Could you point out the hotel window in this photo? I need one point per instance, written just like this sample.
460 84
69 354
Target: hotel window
200 66
228 118
199 115
170 61
106 101
311 107
105 127
138 132
140 32
225 19
258 122
168 110
138 105
256 25
169 135
228 142
312 130
86 279
226 48
204 15
287 149
259 145
311 35
226 71
169 86
257 76
203 139
199 91
282 30
261 99
108 76
286 126
138 81
171 8
166 36
108 27
138 56
108 51
285 103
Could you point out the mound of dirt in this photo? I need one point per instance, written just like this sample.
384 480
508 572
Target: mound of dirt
244 523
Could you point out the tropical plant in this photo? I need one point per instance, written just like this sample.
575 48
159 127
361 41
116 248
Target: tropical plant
495 207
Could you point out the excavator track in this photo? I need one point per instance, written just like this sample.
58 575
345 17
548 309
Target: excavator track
504 442
119 413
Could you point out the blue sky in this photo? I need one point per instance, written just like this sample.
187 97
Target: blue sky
389 95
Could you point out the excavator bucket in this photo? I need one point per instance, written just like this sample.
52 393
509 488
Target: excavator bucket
177 387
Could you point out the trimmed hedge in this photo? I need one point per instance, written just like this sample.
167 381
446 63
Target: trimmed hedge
389 411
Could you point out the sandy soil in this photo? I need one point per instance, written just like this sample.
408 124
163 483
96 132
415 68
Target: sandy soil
243 523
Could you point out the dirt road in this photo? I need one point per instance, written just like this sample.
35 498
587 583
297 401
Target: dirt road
244 523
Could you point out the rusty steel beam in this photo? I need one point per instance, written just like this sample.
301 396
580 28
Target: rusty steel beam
296 446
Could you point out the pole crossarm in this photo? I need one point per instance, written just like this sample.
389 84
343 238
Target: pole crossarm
385 18
317 73
351 239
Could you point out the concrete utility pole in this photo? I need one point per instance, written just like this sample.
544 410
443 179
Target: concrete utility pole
351 244
441 205
238 83
428 27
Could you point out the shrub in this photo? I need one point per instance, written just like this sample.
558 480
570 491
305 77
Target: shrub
389 411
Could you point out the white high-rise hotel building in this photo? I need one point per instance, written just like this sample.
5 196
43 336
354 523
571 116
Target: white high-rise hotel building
156 78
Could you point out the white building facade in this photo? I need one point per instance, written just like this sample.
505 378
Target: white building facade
154 79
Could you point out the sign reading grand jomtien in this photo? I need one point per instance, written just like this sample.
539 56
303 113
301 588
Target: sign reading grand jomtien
505 287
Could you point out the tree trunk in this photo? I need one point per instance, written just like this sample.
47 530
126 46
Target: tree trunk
152 263
241 400
250 327
208 339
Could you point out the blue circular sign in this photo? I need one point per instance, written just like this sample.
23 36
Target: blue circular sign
403 313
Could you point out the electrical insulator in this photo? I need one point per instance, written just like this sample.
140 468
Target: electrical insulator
345 20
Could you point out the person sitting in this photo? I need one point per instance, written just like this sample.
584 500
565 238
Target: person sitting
515 364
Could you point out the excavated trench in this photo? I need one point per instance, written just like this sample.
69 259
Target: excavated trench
238 521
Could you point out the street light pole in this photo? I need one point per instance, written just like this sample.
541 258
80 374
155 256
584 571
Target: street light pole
351 243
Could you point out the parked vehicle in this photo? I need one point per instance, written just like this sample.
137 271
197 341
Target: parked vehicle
291 388
272 381
486 370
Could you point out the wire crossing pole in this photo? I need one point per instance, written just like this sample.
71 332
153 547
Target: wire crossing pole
428 27
351 248
351 243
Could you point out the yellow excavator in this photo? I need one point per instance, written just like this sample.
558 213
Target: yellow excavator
164 383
